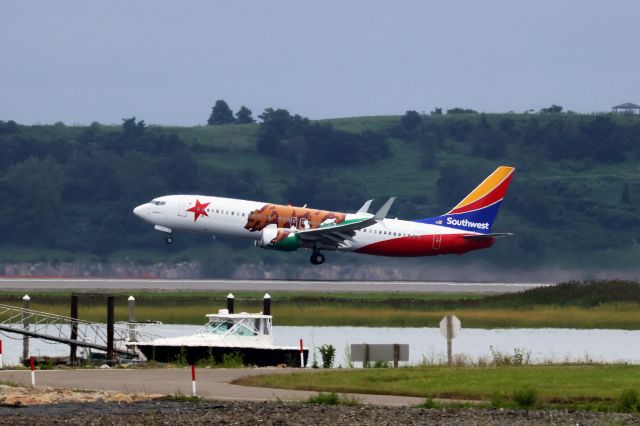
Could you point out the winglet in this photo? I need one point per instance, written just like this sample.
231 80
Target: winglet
382 212
365 207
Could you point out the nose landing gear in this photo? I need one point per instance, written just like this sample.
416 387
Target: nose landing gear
317 258
169 239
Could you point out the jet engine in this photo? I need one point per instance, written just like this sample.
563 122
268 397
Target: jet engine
287 240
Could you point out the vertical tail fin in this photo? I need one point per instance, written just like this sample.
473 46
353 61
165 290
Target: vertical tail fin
477 211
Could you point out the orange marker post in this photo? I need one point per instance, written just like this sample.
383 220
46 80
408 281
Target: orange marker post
301 354
33 372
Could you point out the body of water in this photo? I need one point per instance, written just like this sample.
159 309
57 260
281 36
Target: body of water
547 344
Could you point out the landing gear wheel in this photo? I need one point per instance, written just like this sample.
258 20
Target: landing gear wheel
317 258
169 239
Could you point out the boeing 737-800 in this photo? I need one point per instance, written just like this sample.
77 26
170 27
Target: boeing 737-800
464 228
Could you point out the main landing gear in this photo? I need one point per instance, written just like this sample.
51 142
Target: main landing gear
317 258
169 239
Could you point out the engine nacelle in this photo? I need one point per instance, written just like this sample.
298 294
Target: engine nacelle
278 239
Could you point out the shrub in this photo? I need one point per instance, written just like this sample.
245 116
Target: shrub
628 400
233 360
333 398
328 355
498 399
520 357
525 397
429 403
330 398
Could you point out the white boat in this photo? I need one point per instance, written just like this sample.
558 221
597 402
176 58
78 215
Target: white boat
244 334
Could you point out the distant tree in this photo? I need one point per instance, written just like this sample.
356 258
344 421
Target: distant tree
553 109
220 114
625 198
131 128
34 187
507 126
243 116
410 120
277 127
8 127
606 140
461 111
436 111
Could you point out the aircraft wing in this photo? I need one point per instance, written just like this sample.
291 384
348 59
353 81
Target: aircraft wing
336 235
341 234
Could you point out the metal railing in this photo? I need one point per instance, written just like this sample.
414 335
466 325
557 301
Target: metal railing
71 331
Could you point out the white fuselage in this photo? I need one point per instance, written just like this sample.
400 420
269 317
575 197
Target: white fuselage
229 217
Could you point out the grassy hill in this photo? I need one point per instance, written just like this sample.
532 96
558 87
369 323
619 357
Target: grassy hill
573 202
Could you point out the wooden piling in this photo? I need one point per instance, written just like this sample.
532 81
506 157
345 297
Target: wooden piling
25 325
266 304
110 329
230 299
74 329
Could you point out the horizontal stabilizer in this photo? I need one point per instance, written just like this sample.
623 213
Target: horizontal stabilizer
384 210
487 236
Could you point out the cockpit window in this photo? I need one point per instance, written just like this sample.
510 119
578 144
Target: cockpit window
158 203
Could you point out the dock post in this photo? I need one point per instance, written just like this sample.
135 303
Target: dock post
365 361
25 325
74 329
132 318
110 322
396 355
266 304
230 299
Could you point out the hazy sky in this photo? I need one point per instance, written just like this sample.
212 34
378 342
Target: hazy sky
167 61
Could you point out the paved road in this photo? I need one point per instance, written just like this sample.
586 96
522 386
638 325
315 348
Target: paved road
20 284
211 383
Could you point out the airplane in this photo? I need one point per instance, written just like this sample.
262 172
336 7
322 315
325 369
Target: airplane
464 228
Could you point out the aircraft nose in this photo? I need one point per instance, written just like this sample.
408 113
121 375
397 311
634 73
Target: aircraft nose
141 210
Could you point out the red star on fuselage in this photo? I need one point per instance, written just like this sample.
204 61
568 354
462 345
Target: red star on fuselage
198 210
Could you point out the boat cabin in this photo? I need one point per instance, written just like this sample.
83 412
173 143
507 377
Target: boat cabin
241 324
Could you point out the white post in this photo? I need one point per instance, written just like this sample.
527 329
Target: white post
301 354
193 380
450 340
132 318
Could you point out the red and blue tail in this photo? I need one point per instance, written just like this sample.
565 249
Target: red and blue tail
478 210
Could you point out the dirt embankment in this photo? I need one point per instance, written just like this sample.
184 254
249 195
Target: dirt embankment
16 396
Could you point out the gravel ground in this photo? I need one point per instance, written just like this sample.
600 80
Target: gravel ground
277 413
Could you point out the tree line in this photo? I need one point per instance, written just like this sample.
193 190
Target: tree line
73 188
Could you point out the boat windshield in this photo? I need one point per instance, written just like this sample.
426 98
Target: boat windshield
218 327
241 328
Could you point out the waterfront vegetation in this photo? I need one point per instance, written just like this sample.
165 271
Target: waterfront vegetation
589 386
597 304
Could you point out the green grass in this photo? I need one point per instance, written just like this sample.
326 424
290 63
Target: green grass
333 398
586 386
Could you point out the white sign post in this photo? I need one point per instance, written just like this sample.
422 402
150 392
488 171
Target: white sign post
450 328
